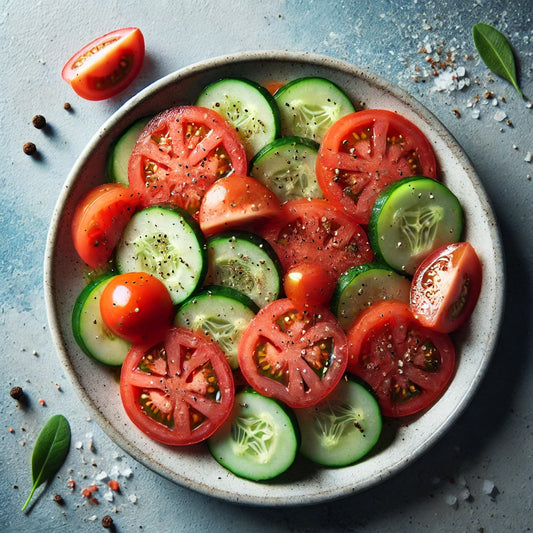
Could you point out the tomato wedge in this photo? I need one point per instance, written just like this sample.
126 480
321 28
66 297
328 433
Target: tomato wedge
364 152
408 366
446 286
178 392
295 357
107 65
313 230
181 153
99 219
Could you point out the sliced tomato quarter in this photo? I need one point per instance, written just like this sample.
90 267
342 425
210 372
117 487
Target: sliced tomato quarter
178 392
295 357
364 152
181 153
408 366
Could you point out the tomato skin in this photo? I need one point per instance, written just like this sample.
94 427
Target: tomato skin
107 65
181 153
236 201
407 365
446 287
137 307
185 381
308 285
364 152
294 357
99 219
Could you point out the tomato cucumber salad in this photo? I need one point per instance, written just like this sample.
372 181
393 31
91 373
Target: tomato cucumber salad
275 272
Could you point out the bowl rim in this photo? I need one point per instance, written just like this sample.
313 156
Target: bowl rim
274 56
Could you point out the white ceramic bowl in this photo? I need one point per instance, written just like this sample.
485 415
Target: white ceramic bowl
193 467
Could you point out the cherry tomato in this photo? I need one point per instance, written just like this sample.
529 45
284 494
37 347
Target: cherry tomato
181 153
99 220
180 391
137 307
364 152
408 366
313 230
308 285
235 201
107 65
446 287
295 357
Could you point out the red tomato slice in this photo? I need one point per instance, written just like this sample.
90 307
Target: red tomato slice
235 201
137 307
99 219
181 153
446 287
313 230
178 392
407 365
364 152
294 357
107 65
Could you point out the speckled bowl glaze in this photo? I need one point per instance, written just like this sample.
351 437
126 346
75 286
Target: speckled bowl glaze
304 483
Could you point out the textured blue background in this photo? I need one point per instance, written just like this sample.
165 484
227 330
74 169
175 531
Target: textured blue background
493 439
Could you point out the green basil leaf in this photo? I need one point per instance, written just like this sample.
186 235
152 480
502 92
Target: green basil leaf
49 452
496 52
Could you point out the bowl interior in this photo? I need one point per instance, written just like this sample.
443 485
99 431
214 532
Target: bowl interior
97 386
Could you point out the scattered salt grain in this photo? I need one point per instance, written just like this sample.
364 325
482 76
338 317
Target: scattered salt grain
101 476
78 445
475 114
464 494
93 518
132 498
126 472
109 496
451 500
500 115
488 487
528 157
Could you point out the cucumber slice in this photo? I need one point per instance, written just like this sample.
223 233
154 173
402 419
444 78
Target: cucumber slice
287 167
259 440
167 243
221 312
246 262
362 285
343 428
309 106
88 327
410 219
118 159
248 106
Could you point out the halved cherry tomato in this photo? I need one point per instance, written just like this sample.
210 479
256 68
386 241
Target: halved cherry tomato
137 307
295 357
181 153
408 366
308 285
99 220
313 230
235 201
180 391
364 152
107 65
446 286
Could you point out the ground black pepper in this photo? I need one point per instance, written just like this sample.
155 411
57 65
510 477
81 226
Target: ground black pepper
107 522
29 148
16 393
39 122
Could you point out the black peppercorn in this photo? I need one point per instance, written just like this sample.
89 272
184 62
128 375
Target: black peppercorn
107 522
29 148
67 106
16 393
58 499
39 122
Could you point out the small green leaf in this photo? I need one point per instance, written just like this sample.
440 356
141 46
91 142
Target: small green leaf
496 52
50 451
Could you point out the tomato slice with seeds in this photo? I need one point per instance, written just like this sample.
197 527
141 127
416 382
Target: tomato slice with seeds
295 357
313 230
364 152
181 153
180 391
408 366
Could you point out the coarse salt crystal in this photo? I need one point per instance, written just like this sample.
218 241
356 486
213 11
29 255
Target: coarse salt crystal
500 116
475 113
451 500
464 494
528 157
132 498
488 487
101 476
93 518
78 445
109 496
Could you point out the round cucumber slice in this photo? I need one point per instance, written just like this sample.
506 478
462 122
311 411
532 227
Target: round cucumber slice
362 285
248 106
259 440
246 262
410 219
309 106
343 428
287 167
167 243
221 312
88 327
